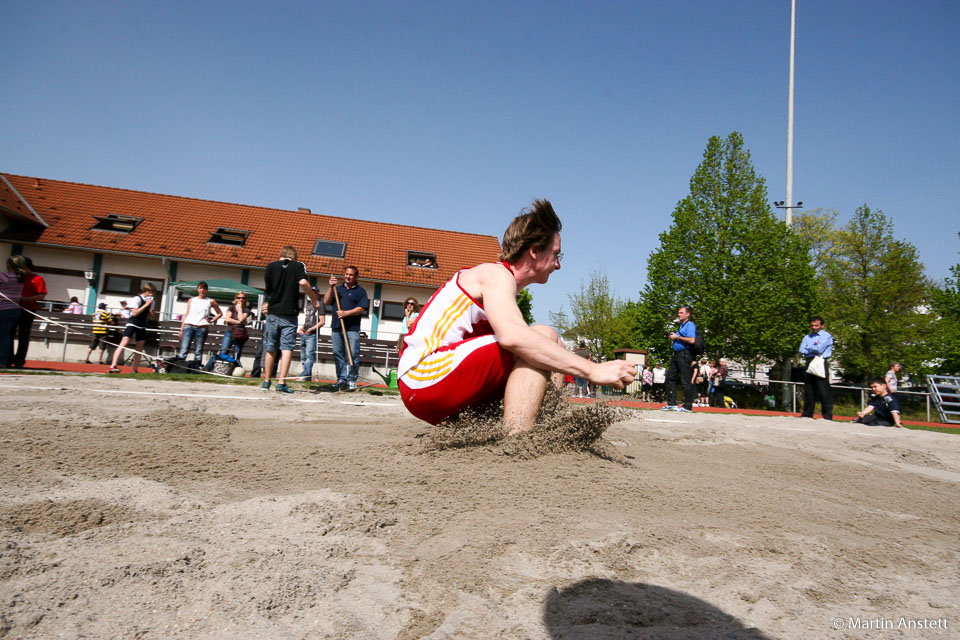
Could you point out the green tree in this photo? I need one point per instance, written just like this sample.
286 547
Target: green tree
876 299
525 302
747 276
945 303
594 309
819 229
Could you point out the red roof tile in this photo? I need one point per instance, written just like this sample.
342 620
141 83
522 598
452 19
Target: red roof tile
179 228
12 205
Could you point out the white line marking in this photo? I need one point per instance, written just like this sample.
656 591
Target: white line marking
658 420
23 386
200 395
373 404
178 395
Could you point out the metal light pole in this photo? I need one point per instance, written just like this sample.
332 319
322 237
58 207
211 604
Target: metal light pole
789 199
787 205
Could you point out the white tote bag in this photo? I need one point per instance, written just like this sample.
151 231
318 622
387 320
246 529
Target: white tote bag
816 367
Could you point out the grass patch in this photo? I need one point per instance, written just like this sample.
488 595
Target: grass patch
955 432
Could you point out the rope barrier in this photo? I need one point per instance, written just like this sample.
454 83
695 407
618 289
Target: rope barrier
131 350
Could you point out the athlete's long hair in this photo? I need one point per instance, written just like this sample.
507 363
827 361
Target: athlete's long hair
533 228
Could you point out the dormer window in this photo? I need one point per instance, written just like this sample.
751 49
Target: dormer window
116 222
232 237
421 259
330 249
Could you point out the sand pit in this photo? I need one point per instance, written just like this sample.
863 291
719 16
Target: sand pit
224 512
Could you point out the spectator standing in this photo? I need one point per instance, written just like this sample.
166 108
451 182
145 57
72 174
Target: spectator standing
235 334
284 279
891 377
313 319
681 364
659 379
717 398
201 313
141 310
102 320
257 370
579 382
817 343
34 290
74 307
703 375
11 287
883 410
353 304
646 384
124 312
411 311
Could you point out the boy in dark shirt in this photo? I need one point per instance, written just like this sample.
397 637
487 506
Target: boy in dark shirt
883 410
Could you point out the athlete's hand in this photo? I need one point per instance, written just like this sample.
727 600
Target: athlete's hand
615 373
333 282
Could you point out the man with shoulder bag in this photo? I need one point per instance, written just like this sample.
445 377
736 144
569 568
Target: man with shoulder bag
816 348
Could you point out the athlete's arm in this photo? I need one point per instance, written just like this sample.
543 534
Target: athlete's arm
497 290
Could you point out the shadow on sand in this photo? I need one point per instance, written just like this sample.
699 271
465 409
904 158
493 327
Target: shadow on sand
600 609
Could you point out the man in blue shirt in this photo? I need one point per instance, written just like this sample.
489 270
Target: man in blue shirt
817 343
680 364
353 303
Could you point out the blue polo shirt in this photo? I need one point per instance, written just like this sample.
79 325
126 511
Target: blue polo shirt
687 330
350 299
817 344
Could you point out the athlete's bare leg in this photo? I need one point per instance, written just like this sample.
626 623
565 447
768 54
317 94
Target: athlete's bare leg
526 386
268 358
136 355
119 351
285 357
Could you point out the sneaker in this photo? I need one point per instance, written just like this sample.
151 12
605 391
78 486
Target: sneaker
339 386
283 388
669 407
351 386
265 386
683 410
113 370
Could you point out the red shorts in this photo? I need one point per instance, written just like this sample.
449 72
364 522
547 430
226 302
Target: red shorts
479 369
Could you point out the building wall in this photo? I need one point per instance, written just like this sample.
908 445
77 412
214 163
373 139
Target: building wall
62 287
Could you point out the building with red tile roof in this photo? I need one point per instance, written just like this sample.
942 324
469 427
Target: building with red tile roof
101 243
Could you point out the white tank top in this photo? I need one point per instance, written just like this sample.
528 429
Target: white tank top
449 317
199 310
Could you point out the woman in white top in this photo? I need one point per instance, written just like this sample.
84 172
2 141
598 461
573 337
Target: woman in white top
74 306
197 320
703 387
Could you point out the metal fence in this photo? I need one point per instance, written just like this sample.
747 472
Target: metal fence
760 393
788 395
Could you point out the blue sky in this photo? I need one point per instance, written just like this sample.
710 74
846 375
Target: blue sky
455 115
